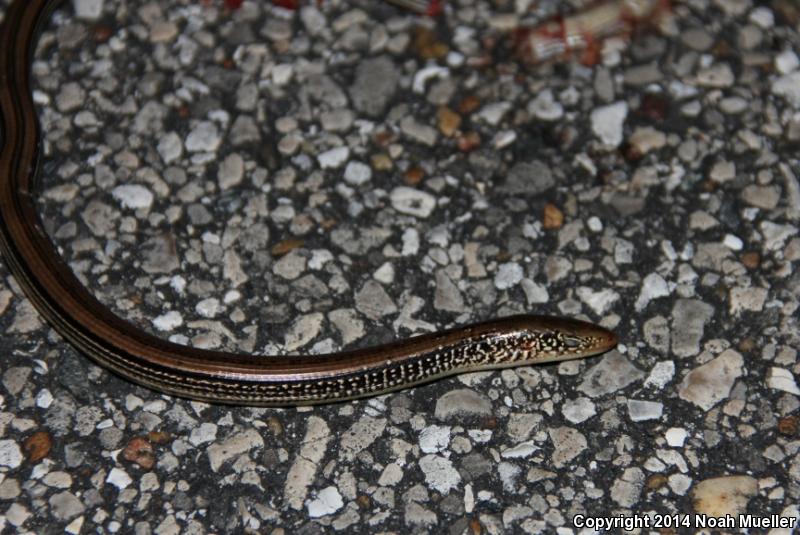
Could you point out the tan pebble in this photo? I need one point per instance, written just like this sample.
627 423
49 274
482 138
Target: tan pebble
553 218
449 121
722 496
37 446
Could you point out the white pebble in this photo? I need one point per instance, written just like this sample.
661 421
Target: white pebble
504 138
508 275
333 158
493 113
133 196
282 73
545 107
88 9
385 273
762 17
520 451
607 122
412 201
208 308
204 137
119 478
319 257
410 242
328 501
594 224
170 147
231 296
781 379
676 436
788 86
786 62
168 321
661 374
434 438
357 173
10 454
422 76
178 283
733 243
653 287
44 399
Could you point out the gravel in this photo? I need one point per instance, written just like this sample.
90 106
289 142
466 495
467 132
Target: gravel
270 181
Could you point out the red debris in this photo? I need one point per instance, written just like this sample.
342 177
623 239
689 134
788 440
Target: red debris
292 5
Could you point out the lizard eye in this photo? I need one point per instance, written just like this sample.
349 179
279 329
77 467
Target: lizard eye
572 341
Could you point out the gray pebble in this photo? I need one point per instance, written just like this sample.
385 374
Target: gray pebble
419 132
360 436
374 85
71 97
304 467
348 324
74 454
750 299
533 178
9 489
614 372
689 317
648 73
204 137
303 330
417 515
247 97
657 334
65 506
568 443
110 437
160 254
764 197
535 293
59 416
447 296
150 119
627 488
440 474
462 402
640 410
338 120
15 379
243 131
99 217
718 75
325 90
627 205
373 301
707 385
291 265
697 39
231 171
776 235
233 446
